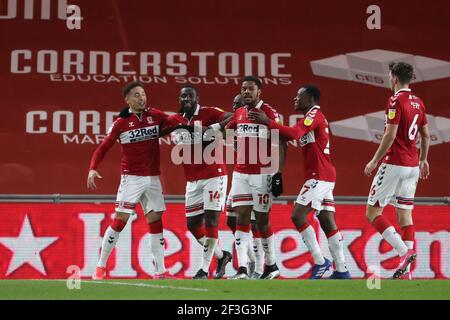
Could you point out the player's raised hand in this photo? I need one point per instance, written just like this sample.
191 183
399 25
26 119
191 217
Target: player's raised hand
370 167
259 117
91 179
424 169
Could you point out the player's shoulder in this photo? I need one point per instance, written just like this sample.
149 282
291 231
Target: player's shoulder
268 108
315 115
173 116
210 109
153 111
122 117
240 110
401 96
417 98
118 124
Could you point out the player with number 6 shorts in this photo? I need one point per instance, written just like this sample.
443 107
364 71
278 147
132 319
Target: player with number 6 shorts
397 177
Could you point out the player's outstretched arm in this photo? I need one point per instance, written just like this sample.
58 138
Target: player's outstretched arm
290 133
424 167
227 118
91 179
386 143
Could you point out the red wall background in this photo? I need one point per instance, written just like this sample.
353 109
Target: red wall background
43 163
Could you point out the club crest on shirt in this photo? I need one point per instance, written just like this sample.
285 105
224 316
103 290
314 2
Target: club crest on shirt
149 119
391 114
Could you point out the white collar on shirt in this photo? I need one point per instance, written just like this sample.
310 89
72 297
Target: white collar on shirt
314 107
404 89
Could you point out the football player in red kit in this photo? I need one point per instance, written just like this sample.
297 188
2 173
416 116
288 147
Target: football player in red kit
317 192
255 249
137 130
252 177
206 186
402 165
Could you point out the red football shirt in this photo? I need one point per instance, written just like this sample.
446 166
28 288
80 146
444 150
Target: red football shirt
138 136
408 112
203 116
250 136
313 134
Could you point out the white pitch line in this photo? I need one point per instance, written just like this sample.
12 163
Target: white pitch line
145 285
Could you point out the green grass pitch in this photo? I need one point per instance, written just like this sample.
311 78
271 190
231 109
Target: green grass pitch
224 289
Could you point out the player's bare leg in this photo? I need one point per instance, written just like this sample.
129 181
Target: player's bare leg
329 227
299 218
231 223
109 242
405 221
385 228
155 225
242 239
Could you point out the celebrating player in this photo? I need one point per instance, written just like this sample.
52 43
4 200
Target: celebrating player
397 176
317 192
255 250
137 130
207 183
251 185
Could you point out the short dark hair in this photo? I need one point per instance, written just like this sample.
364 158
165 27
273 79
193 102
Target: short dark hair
126 90
188 86
313 91
402 70
254 79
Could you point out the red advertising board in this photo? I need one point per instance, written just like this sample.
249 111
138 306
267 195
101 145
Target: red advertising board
61 87
41 241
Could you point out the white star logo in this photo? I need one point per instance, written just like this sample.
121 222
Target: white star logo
26 248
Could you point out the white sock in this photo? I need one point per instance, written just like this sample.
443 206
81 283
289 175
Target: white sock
218 253
157 245
259 255
309 237
208 251
337 251
250 251
393 238
241 244
268 245
109 242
